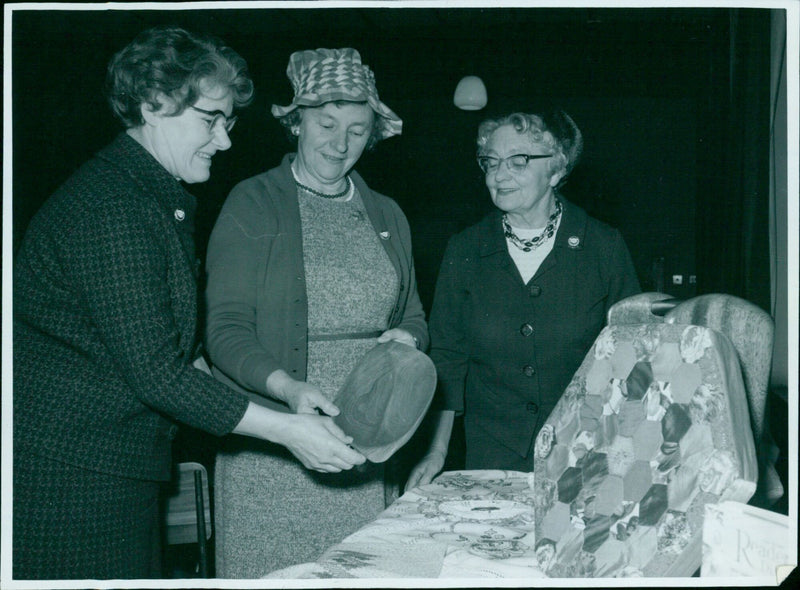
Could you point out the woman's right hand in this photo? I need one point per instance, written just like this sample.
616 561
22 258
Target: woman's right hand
424 472
315 440
318 443
433 462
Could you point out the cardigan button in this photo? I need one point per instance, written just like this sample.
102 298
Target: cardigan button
528 371
532 407
534 290
526 330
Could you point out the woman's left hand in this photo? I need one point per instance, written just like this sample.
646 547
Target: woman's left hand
398 335
310 399
301 397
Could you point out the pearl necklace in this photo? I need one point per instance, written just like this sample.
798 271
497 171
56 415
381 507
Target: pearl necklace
535 242
317 193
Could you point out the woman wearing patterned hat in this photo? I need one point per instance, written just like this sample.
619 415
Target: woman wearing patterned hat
520 296
308 268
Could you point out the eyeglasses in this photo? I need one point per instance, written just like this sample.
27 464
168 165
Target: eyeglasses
217 118
516 163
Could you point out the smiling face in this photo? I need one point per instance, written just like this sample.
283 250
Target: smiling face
184 144
331 139
526 196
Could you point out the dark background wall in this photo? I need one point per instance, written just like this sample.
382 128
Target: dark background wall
650 89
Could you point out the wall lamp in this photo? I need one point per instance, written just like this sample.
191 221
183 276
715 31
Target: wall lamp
470 94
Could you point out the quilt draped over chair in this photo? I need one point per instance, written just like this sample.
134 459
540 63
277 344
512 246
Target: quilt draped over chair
653 426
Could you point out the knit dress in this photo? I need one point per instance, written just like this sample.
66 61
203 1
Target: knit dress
285 514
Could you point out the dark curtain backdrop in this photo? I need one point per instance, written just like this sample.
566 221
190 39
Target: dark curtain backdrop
673 105
733 197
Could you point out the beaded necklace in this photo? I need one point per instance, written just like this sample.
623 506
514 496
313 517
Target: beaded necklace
535 242
317 193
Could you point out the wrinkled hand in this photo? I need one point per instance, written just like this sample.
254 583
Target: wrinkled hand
424 471
318 443
398 335
300 396
305 398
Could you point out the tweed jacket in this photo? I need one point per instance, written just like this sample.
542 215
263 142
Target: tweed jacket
256 295
105 321
505 350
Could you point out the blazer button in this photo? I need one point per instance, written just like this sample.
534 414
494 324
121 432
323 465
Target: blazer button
526 330
532 407
535 290
528 371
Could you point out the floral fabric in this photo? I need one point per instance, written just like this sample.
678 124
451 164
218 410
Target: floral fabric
652 427
463 524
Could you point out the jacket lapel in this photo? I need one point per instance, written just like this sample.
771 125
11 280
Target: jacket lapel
177 204
569 239
493 247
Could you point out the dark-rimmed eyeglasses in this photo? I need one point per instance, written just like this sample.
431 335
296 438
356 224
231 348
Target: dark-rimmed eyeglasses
217 118
516 163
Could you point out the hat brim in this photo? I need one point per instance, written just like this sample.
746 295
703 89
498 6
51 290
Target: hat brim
384 399
392 124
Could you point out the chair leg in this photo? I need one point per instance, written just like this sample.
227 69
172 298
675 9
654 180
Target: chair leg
201 523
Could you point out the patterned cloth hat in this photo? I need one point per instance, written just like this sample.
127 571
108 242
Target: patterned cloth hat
325 75
384 398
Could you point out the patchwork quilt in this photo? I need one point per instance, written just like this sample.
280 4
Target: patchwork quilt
653 426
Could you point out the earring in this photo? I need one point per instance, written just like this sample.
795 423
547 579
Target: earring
295 131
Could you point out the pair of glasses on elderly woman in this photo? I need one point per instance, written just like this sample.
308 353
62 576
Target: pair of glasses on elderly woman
516 163
216 119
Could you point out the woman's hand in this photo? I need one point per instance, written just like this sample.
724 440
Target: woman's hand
433 462
315 440
300 396
398 335
319 444
424 472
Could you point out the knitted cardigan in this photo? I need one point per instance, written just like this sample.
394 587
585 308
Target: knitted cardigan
256 296
105 321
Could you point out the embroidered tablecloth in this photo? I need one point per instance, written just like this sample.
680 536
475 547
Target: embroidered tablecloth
465 524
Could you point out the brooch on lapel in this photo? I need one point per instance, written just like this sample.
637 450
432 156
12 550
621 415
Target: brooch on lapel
180 214
385 235
573 242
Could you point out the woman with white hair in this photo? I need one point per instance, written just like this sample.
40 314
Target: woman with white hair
520 296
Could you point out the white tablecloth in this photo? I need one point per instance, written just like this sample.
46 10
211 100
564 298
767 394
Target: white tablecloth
466 524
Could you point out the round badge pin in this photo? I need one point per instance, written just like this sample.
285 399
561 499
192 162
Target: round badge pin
574 241
180 214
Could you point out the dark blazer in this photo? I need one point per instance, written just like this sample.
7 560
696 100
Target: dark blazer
256 296
105 321
505 350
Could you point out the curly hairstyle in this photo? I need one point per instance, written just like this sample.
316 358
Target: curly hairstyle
555 130
293 118
176 63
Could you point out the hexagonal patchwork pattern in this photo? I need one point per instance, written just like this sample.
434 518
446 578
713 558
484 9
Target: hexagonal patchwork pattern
641 439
